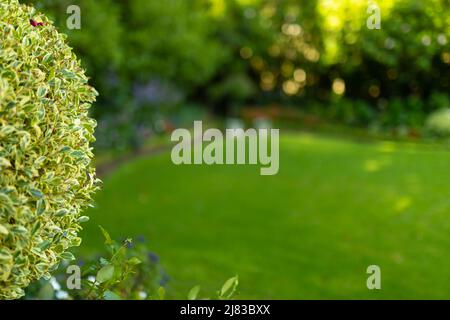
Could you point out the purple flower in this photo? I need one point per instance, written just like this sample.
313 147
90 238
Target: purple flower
164 280
140 239
153 257
128 243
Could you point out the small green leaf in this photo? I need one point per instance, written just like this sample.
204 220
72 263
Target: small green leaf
3 230
36 193
58 249
4 162
108 239
77 154
67 256
7 130
44 245
64 149
83 219
193 294
5 255
24 142
106 273
40 113
47 58
161 293
40 160
41 92
109 295
75 242
40 206
41 267
61 212
46 292
36 227
103 261
68 74
134 261
229 287
19 230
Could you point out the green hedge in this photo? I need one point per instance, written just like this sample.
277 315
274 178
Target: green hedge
45 173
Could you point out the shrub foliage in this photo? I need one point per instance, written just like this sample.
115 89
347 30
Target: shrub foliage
45 131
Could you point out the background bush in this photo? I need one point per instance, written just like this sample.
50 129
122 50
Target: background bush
228 54
438 123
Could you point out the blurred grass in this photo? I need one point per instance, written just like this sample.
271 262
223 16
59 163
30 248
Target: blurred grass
334 208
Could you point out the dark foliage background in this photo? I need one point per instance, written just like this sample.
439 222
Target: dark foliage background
157 63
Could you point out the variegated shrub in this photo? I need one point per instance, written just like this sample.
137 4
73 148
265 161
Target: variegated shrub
45 173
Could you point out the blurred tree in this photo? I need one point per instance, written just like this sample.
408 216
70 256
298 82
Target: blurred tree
169 40
147 56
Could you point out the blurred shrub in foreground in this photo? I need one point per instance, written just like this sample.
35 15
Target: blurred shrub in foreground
126 271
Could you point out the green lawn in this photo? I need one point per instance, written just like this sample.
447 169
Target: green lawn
309 232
